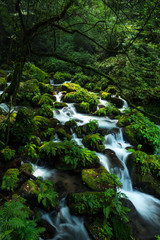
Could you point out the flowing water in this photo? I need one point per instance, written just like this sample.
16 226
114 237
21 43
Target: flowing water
148 207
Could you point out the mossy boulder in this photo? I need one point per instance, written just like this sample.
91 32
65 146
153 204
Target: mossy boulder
71 123
42 123
62 134
45 111
99 179
30 71
27 90
45 88
82 95
145 172
94 142
27 167
106 96
60 77
117 102
70 87
59 105
87 203
88 128
3 83
83 107
24 126
10 179
109 110
40 100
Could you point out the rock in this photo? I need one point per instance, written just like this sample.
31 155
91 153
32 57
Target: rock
59 105
113 159
117 101
94 142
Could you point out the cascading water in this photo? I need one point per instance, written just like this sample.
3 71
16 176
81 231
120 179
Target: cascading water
147 206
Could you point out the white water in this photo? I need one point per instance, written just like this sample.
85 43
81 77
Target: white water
68 227
147 206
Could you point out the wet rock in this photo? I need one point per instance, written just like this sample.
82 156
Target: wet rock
117 101
113 159
50 230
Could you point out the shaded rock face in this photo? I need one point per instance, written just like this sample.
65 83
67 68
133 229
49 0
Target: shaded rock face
146 183
117 101
113 159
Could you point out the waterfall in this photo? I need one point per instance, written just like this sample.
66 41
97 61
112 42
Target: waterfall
70 227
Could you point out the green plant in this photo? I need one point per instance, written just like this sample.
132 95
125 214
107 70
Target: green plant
29 151
93 125
15 222
7 154
94 142
10 179
47 195
60 77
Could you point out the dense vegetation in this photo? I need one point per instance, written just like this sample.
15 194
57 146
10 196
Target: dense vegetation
106 49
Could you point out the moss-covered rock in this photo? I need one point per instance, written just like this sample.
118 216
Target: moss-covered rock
60 77
70 87
88 128
94 142
10 179
106 95
30 71
40 100
27 90
59 105
145 171
42 123
45 88
3 83
24 126
27 167
83 107
99 179
71 123
45 111
109 110
87 203
62 134
83 95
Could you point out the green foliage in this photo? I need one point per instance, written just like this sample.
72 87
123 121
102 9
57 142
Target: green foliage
84 107
10 179
109 110
50 149
62 134
105 231
45 88
93 125
45 111
106 95
3 83
32 72
60 77
7 154
47 195
145 131
24 126
29 151
15 221
42 123
94 142
41 100
49 134
26 167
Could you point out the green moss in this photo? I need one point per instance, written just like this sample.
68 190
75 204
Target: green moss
87 128
70 87
105 95
3 83
26 167
27 90
109 110
99 179
71 123
45 111
30 71
10 179
83 107
112 89
45 88
7 154
42 123
87 203
62 134
59 105
60 77
94 142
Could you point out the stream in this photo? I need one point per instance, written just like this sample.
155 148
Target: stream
147 206
69 227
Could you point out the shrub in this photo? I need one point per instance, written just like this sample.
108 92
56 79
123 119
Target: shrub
15 221
60 77
7 154
29 151
10 179
45 111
